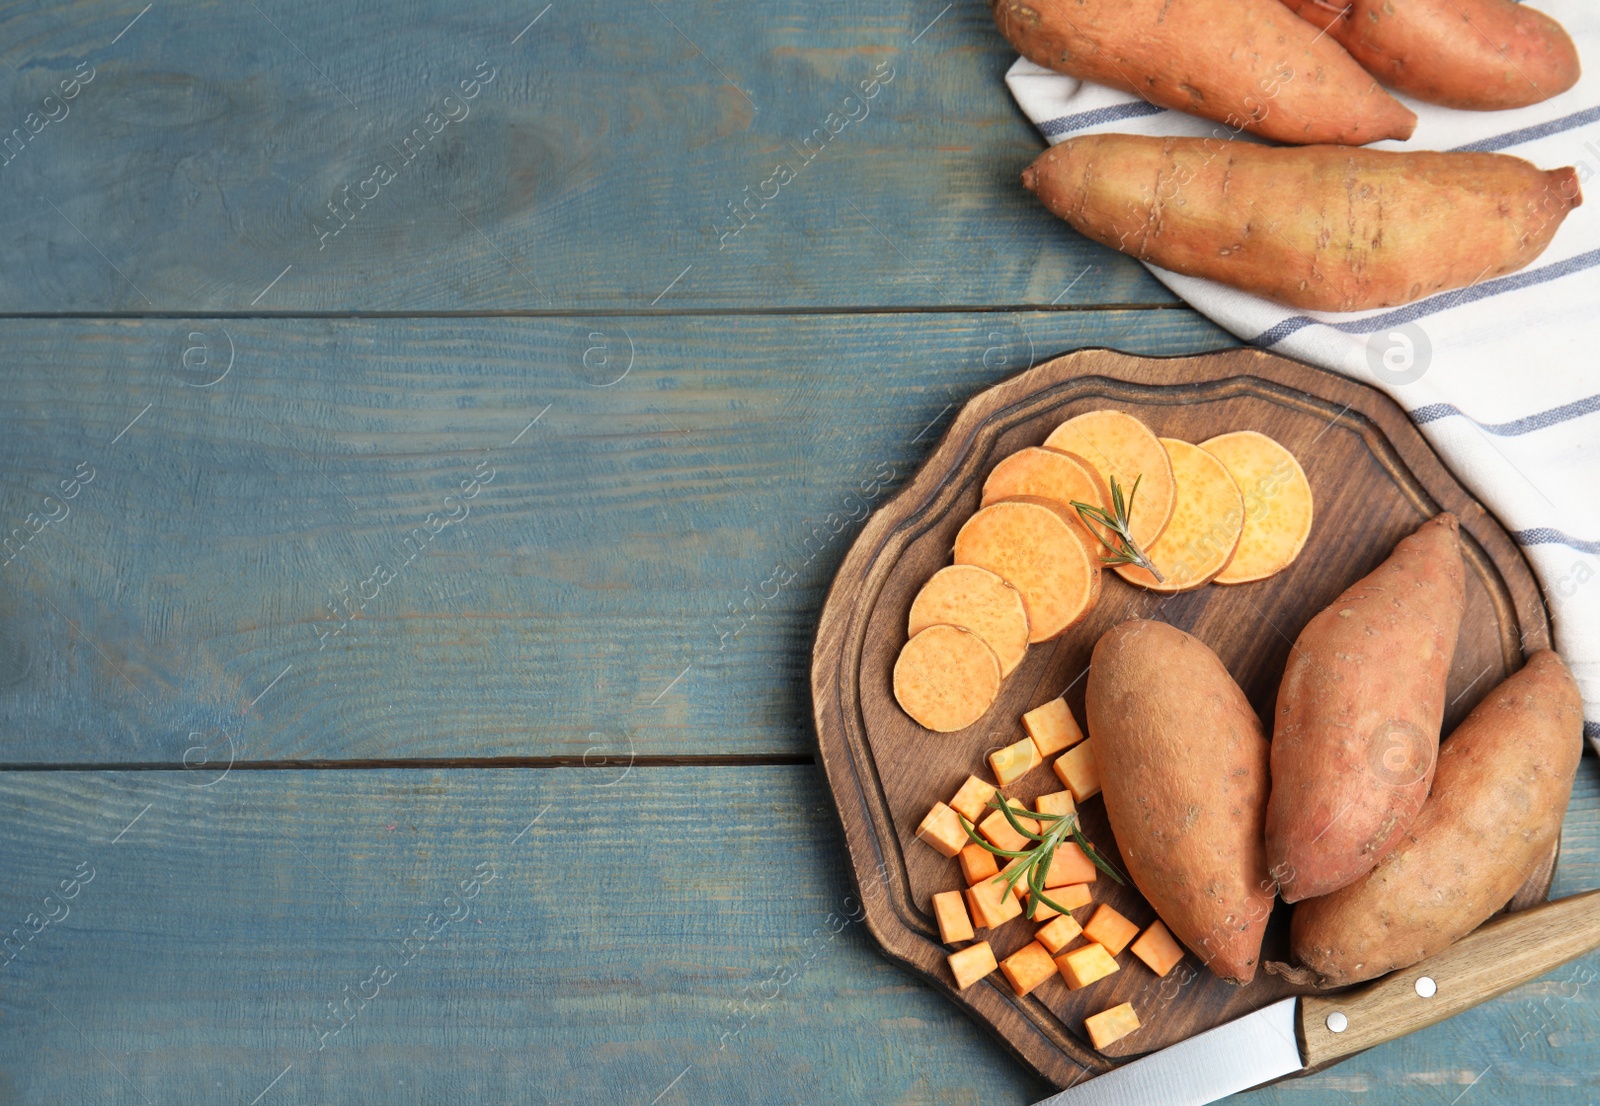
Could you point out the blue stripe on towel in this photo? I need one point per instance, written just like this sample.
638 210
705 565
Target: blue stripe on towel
1525 425
1062 125
1544 535
1528 134
1444 301
1591 730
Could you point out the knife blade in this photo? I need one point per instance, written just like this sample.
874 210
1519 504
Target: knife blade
1293 1034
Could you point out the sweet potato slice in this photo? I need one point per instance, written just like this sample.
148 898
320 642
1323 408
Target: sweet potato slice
1205 526
1121 447
1035 545
1277 504
1052 474
975 599
946 678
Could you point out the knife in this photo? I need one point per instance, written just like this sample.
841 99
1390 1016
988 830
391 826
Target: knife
1295 1034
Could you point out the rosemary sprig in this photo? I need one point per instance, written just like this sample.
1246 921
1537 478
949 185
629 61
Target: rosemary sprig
1125 551
1035 863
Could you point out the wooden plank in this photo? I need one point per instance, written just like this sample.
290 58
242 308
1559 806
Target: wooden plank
641 567
618 943
597 163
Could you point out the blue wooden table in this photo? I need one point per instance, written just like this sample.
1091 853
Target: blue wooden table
427 432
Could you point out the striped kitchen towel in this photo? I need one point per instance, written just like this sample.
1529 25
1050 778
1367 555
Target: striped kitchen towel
1498 376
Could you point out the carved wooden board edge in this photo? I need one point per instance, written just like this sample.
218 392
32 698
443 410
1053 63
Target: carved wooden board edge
1025 1026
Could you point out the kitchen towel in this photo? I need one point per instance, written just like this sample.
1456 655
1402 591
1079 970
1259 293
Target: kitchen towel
1502 377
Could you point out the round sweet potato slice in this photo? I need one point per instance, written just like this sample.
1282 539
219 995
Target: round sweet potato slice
1277 504
1052 474
1035 546
1121 447
946 678
975 599
1205 527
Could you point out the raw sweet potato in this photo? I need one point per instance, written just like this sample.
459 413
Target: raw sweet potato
1481 55
1246 63
1122 448
1323 228
1207 519
945 678
1358 715
974 599
1034 545
1277 504
1502 786
1052 474
1184 764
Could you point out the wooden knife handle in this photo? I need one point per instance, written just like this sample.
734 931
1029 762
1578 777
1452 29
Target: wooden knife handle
1487 962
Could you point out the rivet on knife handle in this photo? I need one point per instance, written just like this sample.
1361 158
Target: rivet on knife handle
1487 962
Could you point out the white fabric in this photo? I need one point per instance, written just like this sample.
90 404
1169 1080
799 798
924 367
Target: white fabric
1498 376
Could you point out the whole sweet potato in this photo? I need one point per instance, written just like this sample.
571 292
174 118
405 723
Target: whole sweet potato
1246 63
1356 736
1481 55
1498 797
1183 768
1324 228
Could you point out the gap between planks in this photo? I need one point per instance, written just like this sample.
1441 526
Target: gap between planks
592 313
710 760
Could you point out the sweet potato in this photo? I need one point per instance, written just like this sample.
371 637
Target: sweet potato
1035 546
1500 791
1482 55
1052 474
1277 504
1207 519
1122 448
1246 63
1184 764
1358 715
945 678
1109 1026
1322 228
974 599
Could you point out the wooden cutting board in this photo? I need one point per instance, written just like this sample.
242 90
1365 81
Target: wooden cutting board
1374 480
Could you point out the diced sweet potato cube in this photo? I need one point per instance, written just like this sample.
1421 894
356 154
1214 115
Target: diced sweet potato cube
1078 772
997 829
977 863
1069 864
1157 949
942 829
1111 1025
1071 895
1111 929
1041 913
971 964
1085 964
973 798
1015 760
954 925
991 905
1028 967
1057 802
1052 727
1058 933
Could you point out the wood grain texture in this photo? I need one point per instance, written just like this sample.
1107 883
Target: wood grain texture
216 930
643 570
598 169
1374 480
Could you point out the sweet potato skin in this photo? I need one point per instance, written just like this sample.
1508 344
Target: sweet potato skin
1481 55
1356 732
1246 63
1321 228
1184 774
1501 789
